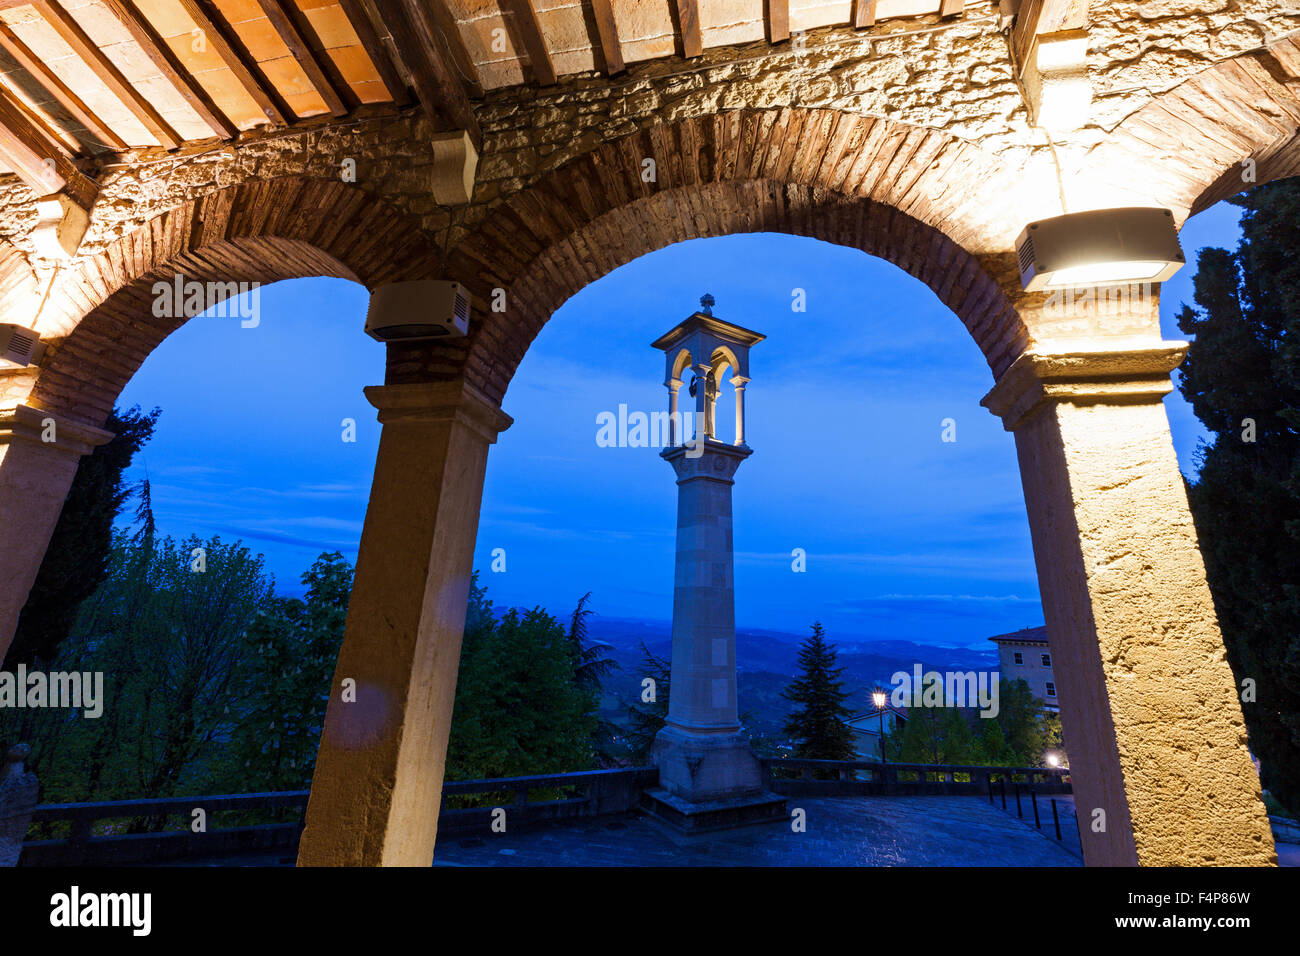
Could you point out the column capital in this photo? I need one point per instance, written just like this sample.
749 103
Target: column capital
71 437
1133 376
440 402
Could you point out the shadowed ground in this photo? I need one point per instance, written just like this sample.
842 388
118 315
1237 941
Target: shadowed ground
841 831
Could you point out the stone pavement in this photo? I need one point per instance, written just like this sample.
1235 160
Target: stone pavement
841 831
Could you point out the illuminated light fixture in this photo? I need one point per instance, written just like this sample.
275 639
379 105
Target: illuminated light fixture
1101 247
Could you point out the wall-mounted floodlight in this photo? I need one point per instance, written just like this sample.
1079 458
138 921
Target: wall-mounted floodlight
1102 247
19 346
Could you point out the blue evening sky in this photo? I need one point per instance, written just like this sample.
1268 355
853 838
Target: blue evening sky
907 537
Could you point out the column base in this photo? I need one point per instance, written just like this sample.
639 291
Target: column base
711 815
705 767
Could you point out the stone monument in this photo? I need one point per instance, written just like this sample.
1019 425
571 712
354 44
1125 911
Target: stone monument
709 777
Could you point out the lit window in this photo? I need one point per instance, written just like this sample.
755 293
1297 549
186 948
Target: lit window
1047 660
1019 658
1051 689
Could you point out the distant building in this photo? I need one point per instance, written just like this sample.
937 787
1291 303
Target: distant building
1024 655
866 731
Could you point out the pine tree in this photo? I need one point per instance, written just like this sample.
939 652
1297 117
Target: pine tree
1242 378
819 722
648 716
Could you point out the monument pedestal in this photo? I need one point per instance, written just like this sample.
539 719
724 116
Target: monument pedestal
709 782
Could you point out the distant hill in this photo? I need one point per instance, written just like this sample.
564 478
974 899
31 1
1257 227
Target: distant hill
766 660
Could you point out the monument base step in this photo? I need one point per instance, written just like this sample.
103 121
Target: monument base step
711 815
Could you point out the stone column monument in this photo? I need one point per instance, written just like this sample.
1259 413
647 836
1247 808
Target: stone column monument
709 777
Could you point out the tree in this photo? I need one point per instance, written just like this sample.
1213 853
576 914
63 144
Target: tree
77 559
1242 378
518 707
819 722
282 686
590 668
648 716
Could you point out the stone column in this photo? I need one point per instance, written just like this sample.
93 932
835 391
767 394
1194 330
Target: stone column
739 383
1149 709
39 453
701 752
377 788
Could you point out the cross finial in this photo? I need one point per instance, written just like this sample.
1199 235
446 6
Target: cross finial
706 301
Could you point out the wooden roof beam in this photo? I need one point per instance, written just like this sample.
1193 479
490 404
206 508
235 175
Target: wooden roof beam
38 160
1037 17
688 25
228 46
170 66
70 31
611 50
778 20
375 50
455 47
864 14
294 29
442 95
530 32
62 93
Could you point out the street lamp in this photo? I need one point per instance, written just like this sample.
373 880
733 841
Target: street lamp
878 698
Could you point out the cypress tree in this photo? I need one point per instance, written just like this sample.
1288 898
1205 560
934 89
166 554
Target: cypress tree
1242 378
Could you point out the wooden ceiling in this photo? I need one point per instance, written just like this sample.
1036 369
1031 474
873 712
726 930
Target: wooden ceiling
81 78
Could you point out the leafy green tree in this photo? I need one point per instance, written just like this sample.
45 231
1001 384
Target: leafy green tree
1242 378
282 686
518 707
819 722
166 630
77 559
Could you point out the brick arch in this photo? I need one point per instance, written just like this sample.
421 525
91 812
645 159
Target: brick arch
1184 149
260 231
902 193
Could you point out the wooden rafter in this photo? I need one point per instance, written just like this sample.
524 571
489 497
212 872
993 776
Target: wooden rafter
864 14
70 31
951 8
1045 16
441 93
170 66
688 23
611 50
530 32
294 31
375 50
60 138
43 164
218 33
62 93
778 21
455 46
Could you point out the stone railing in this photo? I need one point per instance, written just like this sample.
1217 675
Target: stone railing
584 794
799 777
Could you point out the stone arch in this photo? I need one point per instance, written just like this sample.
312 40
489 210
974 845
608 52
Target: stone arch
261 231
1189 142
895 191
